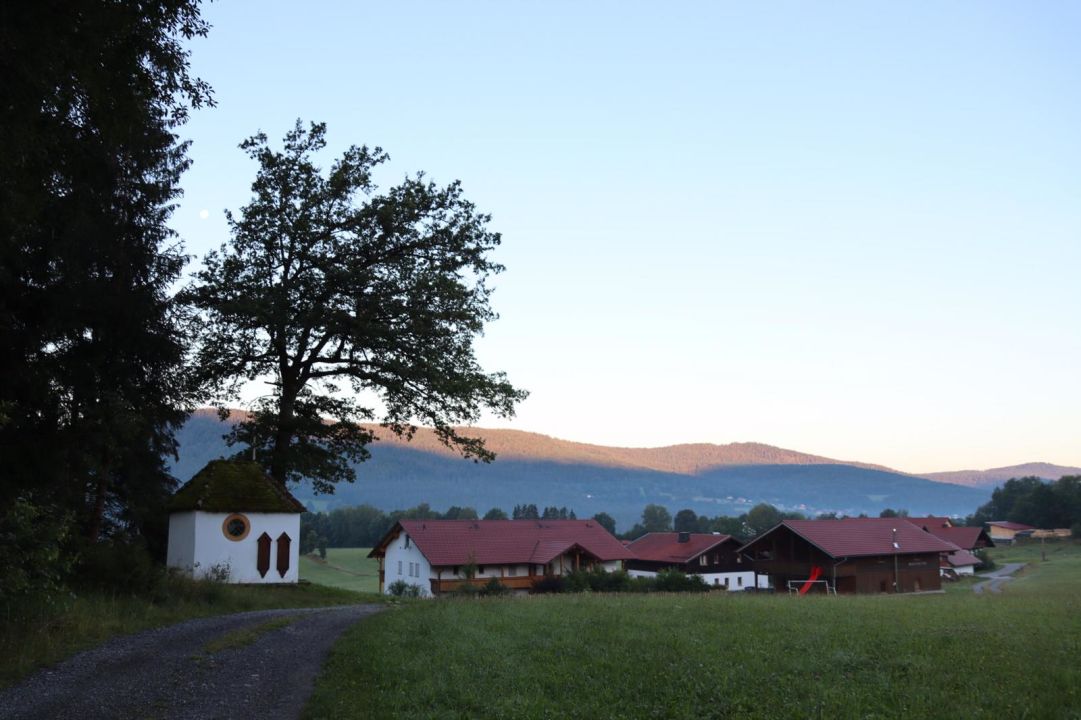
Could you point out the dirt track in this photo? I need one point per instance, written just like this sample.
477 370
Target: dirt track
170 673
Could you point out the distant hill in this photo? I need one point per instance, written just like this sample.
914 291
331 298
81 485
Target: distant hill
997 476
533 468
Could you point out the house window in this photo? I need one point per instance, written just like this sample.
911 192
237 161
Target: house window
726 582
716 581
512 570
480 570
399 567
702 560
407 542
236 527
739 581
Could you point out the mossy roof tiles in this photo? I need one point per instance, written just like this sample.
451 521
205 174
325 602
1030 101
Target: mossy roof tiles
234 486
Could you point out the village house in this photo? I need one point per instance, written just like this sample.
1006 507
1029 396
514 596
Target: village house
853 555
712 556
1005 532
437 556
961 561
232 522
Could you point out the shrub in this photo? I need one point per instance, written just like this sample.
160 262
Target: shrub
494 588
467 589
120 567
33 566
986 563
675 581
400 588
549 584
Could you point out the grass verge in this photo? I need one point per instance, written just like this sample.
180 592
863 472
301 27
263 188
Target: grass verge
246 636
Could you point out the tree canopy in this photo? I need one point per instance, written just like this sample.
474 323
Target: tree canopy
90 347
328 284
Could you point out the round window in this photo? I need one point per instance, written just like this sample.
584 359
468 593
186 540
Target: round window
236 527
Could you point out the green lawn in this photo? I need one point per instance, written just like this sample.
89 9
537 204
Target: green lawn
346 568
1013 654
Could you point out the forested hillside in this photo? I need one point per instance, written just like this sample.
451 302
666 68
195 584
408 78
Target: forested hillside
400 476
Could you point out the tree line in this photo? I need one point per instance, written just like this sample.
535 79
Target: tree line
326 283
1036 502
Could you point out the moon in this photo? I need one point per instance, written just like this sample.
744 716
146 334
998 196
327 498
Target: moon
204 214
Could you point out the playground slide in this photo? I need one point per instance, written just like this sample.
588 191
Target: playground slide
815 573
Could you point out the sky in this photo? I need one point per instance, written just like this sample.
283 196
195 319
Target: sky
850 229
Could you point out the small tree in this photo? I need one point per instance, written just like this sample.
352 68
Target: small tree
606 521
656 518
495 514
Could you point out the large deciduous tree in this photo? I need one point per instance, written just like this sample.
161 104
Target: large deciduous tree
90 353
328 285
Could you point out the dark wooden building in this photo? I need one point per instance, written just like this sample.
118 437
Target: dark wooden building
854 555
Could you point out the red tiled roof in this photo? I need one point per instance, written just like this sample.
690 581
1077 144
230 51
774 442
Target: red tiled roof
500 542
1006 524
963 537
666 547
855 537
962 558
931 522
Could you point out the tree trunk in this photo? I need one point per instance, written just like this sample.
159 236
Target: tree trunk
283 435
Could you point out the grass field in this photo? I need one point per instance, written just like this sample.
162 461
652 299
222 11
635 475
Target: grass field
346 568
1014 654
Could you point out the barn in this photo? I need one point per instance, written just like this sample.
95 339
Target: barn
853 555
234 523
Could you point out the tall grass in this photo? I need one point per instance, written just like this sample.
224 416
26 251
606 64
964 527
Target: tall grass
676 656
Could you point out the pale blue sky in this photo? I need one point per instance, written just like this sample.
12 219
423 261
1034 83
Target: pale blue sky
852 229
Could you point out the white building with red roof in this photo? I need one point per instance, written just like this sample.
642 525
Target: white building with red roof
437 556
712 556
1005 531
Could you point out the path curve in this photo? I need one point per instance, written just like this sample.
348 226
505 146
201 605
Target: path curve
168 673
997 578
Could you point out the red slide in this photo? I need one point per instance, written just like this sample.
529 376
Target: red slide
815 572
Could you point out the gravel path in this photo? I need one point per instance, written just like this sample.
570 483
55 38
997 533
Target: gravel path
168 673
997 578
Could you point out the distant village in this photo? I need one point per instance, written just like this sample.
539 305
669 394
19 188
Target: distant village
232 515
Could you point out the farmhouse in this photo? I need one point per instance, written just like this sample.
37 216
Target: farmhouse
235 523
853 555
437 556
713 557
1004 531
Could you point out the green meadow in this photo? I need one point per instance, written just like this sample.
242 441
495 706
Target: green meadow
345 568
1014 654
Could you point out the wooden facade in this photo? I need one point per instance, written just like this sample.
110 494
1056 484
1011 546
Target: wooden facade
789 560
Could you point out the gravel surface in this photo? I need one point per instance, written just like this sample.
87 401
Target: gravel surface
996 579
169 673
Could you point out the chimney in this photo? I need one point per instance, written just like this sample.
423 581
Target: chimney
684 537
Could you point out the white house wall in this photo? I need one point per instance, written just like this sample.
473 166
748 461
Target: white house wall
212 552
181 552
736 581
396 565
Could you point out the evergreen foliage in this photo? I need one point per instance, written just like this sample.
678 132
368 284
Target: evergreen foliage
1035 502
91 348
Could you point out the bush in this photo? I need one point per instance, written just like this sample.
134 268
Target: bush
400 588
494 588
467 589
986 563
33 567
549 584
675 581
120 567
